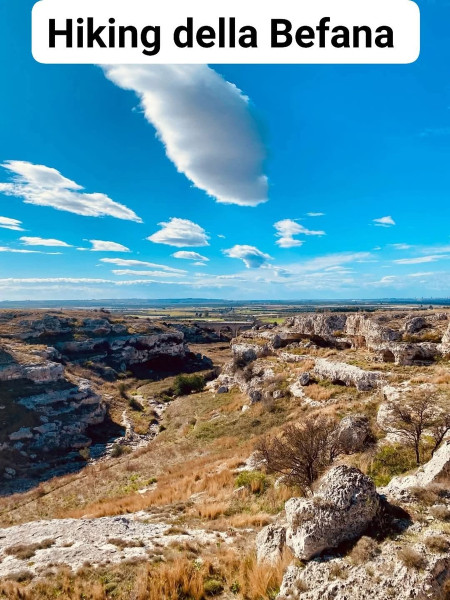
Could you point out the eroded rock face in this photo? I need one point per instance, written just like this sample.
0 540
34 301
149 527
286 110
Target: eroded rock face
341 509
246 352
270 543
51 412
325 327
414 325
382 577
353 433
363 331
347 374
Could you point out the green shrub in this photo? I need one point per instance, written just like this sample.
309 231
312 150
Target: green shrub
117 450
135 404
185 384
85 454
213 587
390 461
255 481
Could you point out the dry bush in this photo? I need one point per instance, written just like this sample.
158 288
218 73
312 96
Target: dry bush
440 512
411 558
211 510
302 452
437 543
364 550
26 551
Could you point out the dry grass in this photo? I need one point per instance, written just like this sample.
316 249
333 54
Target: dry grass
179 578
411 558
319 393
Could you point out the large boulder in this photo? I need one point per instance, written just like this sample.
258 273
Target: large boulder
353 433
341 509
347 374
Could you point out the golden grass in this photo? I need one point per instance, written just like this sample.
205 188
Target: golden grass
179 578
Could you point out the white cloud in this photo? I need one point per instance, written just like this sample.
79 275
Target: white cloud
44 186
199 264
315 214
21 251
206 126
38 241
125 262
386 280
251 256
287 228
384 222
401 246
421 259
146 273
190 256
7 223
103 246
179 233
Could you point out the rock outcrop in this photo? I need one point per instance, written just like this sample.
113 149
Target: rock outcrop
44 412
341 509
344 504
338 372
359 330
381 577
73 542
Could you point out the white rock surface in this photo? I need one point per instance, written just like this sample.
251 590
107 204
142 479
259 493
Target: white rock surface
79 540
343 506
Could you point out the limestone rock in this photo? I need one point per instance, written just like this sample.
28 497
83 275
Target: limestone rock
270 543
246 353
353 433
341 509
304 378
347 374
381 578
414 325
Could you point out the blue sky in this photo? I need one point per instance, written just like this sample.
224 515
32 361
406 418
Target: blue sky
240 182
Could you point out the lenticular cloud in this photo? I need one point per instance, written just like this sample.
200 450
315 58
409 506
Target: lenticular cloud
206 126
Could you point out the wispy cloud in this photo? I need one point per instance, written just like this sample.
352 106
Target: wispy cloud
402 246
287 228
14 224
251 256
185 255
125 262
147 273
421 259
384 221
44 186
180 233
23 251
38 241
104 246
206 126
315 214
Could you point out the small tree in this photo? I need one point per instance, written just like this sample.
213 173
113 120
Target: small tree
303 451
420 412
